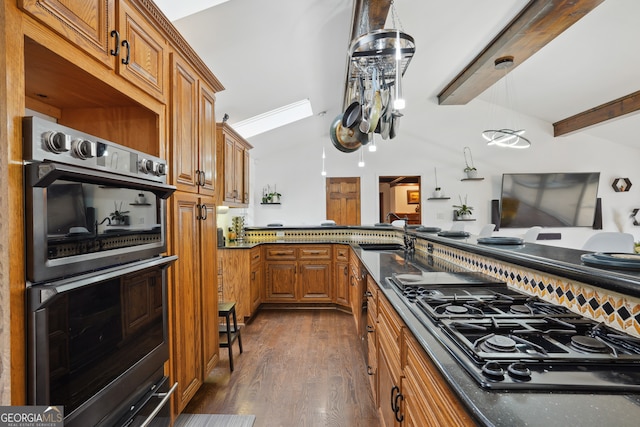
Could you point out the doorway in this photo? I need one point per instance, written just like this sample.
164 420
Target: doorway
400 196
343 200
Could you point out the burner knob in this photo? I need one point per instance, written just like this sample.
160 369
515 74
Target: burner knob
493 370
161 169
56 142
83 149
519 371
146 166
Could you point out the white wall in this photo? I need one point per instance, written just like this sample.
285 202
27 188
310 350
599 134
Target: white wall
434 136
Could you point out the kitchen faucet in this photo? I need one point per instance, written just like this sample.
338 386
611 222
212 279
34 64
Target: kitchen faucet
397 217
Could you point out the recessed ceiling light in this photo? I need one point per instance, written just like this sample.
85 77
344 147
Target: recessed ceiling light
274 119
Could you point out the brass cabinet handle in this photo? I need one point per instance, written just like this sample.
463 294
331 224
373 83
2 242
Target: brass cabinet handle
370 370
370 329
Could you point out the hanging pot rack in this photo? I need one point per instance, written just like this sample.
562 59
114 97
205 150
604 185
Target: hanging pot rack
377 50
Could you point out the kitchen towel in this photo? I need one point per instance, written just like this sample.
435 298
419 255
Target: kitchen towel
214 420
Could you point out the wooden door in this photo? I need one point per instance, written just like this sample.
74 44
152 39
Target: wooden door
209 285
143 59
184 126
343 200
186 299
207 140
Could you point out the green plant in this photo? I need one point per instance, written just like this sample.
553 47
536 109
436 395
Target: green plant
468 163
463 208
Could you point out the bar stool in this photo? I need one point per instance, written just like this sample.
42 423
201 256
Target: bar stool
228 310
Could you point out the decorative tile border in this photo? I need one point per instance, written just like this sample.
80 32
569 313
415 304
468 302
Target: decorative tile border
621 312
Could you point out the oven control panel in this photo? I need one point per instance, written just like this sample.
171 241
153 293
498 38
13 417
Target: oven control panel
48 141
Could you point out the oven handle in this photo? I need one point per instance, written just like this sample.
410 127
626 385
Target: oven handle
165 396
46 173
41 294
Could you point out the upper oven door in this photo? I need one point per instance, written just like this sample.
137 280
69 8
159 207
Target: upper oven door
80 220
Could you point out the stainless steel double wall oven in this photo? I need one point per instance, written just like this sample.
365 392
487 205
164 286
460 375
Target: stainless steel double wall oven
95 215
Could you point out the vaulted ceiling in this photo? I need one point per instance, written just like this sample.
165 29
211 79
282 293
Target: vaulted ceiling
572 58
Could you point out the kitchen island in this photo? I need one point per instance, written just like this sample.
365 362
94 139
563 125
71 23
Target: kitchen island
554 274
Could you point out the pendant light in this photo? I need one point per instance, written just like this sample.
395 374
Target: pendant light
372 144
507 137
361 159
324 171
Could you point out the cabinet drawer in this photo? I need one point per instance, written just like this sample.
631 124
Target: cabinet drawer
256 256
281 253
342 253
315 252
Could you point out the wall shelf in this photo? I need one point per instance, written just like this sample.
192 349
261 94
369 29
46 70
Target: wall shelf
472 179
460 219
270 203
139 204
439 198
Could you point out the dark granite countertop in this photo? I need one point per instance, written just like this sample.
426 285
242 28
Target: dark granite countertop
500 408
556 260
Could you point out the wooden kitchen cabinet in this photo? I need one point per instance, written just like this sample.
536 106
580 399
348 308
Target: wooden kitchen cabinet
256 279
357 285
427 398
341 279
371 327
114 33
233 166
193 130
298 273
193 294
390 335
141 299
242 272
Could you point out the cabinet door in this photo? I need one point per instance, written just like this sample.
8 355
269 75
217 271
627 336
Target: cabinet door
186 298
85 23
245 178
388 389
229 171
238 172
281 281
256 280
208 274
207 140
315 281
342 283
143 58
184 126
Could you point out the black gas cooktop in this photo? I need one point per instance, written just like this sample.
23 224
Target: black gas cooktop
509 340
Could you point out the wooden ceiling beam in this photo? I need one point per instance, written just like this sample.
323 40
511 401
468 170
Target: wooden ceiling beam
539 22
611 110
368 15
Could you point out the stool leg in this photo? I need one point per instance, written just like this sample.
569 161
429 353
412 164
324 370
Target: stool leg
229 341
237 331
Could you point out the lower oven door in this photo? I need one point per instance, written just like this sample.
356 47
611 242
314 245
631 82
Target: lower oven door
98 342
154 409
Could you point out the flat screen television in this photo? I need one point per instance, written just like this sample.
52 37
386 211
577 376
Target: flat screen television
549 199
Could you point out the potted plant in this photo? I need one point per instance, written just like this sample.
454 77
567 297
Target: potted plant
469 169
463 210
274 197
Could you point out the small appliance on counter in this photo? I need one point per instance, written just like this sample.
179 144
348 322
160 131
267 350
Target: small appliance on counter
221 238
238 228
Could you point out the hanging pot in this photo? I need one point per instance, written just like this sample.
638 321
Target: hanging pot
352 115
344 139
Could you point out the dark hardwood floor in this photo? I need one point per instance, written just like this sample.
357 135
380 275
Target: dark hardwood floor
300 368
